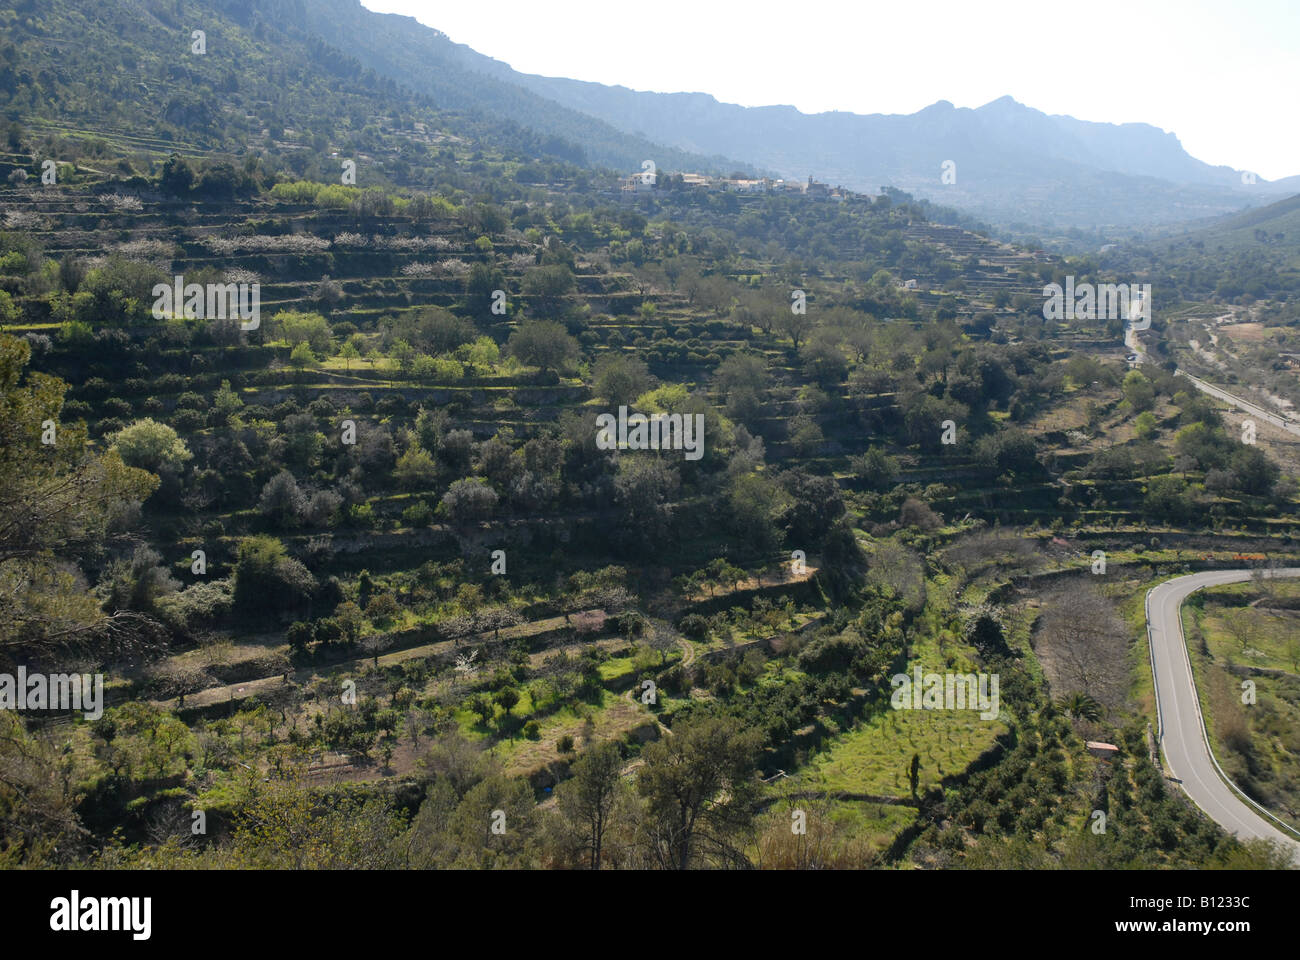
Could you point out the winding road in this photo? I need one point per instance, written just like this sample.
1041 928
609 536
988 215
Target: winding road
1182 729
1134 343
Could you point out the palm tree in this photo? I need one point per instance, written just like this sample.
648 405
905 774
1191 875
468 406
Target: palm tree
1080 706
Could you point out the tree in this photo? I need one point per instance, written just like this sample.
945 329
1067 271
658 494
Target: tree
481 707
824 360
642 489
755 503
139 582
177 176
302 357
416 469
267 578
741 370
878 469
299 635
984 631
496 619
57 500
38 805
914 774
915 513
1240 625
467 502
1080 706
1084 644
483 280
897 571
542 343
350 620
1139 391
434 330
349 352
482 354
508 697
8 310
496 799
282 825
1170 497
403 354
699 785
282 501
150 445
587 799
296 327
226 404
376 643
547 288
796 326
815 505
620 379
382 609
327 291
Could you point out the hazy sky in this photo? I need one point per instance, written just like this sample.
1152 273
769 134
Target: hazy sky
1224 76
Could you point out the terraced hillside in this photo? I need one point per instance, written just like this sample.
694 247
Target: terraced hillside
364 567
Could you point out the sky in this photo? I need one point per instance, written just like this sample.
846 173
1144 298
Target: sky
1223 76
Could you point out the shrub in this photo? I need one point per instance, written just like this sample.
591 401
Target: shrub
418 515
382 609
328 632
694 626
299 635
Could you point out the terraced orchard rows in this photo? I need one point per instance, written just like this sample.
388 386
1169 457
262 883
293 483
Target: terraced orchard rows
365 569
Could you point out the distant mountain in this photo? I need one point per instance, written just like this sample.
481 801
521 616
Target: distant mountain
1023 171
1014 165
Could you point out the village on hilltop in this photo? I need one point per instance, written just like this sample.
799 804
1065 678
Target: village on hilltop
639 183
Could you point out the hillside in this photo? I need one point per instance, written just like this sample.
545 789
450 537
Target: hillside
268 83
362 570
1276 226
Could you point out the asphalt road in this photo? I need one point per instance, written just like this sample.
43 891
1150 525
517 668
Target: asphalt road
1134 343
1253 409
1182 731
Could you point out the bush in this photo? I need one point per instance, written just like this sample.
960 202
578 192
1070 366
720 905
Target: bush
382 609
418 515
328 632
299 635
694 626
